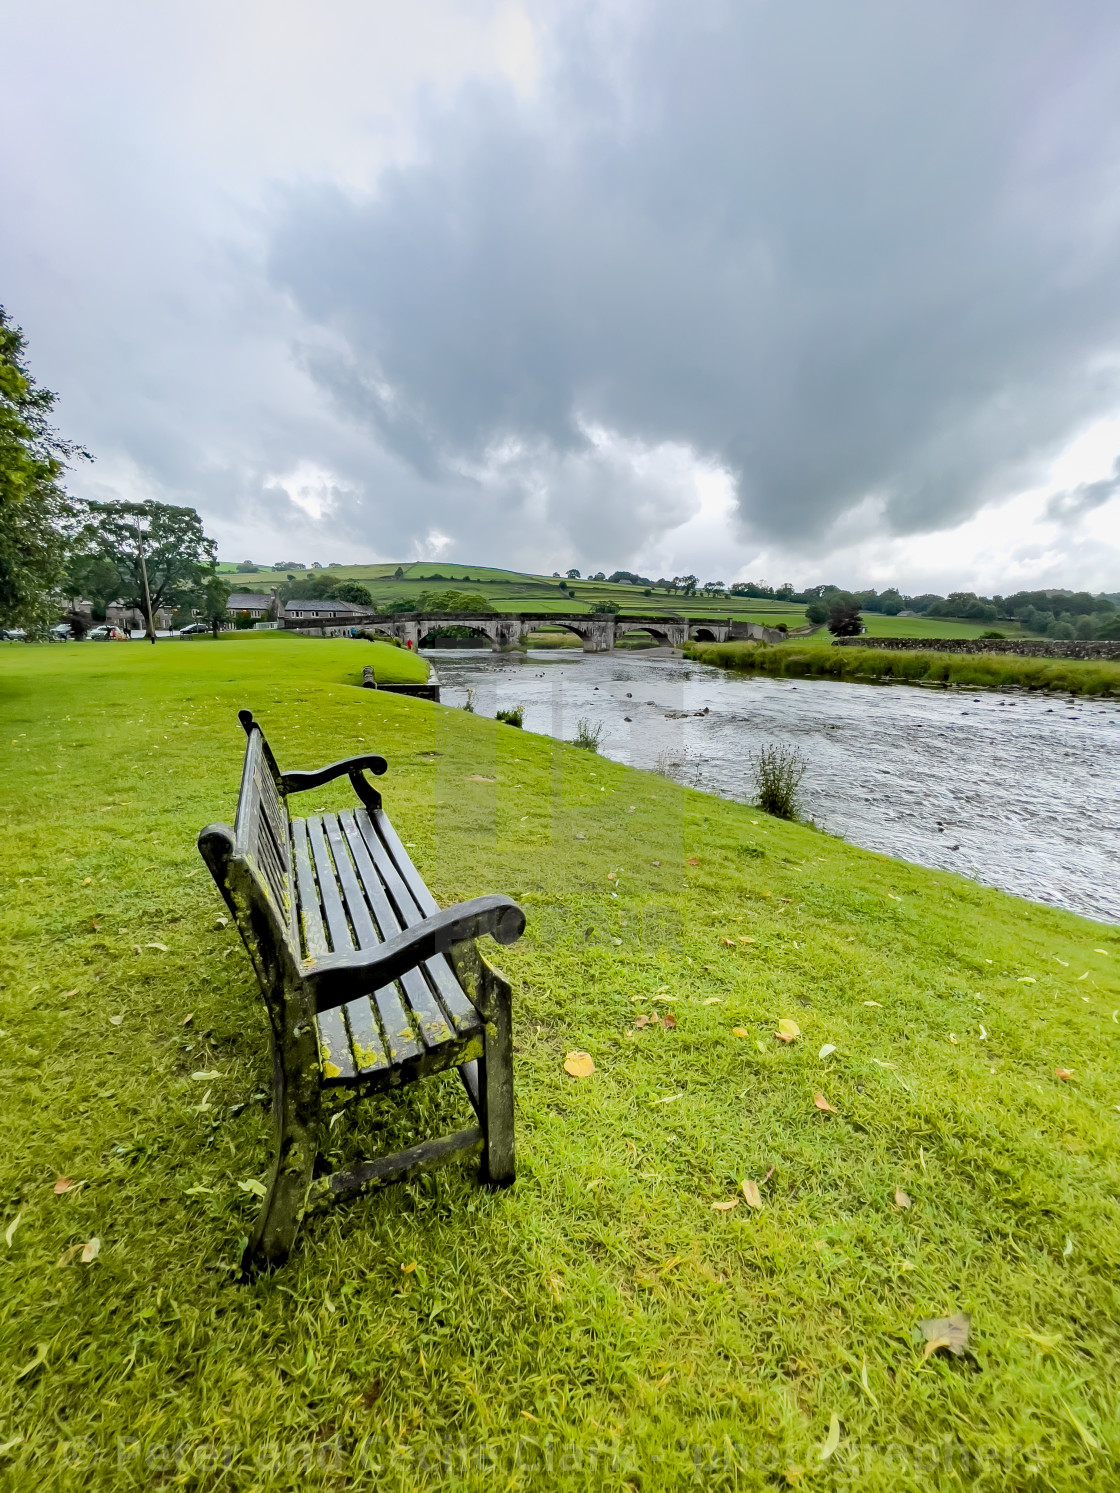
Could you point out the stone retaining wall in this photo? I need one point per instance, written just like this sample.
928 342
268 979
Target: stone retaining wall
1020 647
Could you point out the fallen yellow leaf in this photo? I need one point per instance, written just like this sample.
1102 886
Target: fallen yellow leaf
832 1440
409 1268
728 942
90 1250
788 1030
901 1199
64 1184
162 947
822 1103
10 1231
748 940
752 1194
873 1003
726 1207
1065 1074
579 1064
946 1332
740 1031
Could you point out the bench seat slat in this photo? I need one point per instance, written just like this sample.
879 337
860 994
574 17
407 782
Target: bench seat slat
314 934
403 900
434 1024
457 1004
334 1048
341 940
352 894
365 1038
454 1001
401 1040
403 861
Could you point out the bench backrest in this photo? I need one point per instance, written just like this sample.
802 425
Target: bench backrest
262 830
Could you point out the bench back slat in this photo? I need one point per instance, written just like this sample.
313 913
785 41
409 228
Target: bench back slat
262 831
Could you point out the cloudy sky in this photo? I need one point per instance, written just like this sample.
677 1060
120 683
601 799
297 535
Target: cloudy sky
786 289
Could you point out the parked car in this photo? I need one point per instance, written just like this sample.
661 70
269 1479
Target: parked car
192 629
63 632
106 634
12 635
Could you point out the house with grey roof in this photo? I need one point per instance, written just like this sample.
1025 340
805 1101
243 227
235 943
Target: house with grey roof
323 614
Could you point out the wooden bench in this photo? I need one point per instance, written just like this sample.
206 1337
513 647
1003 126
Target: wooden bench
368 985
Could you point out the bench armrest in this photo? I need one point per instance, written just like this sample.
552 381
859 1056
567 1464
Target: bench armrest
300 782
338 978
352 767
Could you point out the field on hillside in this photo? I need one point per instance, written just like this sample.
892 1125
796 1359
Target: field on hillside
513 591
936 1134
925 627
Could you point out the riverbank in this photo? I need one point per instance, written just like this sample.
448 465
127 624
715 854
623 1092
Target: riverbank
604 1307
911 666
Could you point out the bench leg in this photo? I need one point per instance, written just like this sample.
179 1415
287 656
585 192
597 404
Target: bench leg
296 1104
495 1083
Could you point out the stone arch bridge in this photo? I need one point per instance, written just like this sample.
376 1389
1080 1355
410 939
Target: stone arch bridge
597 631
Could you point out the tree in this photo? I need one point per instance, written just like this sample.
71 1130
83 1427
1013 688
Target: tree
844 620
166 541
817 613
398 574
573 575
92 578
34 510
685 583
353 592
215 595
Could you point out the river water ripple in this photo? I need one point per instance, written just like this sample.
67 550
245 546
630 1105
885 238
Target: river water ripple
1018 791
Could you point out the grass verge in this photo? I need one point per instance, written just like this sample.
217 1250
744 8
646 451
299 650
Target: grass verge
974 671
602 1323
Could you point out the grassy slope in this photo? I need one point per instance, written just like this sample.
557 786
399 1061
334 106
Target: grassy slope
391 665
927 627
601 1301
513 591
991 670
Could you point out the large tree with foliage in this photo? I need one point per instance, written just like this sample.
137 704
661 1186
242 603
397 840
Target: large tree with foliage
34 510
178 555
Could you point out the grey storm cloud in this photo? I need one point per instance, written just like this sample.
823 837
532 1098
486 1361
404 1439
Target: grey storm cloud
1085 497
847 252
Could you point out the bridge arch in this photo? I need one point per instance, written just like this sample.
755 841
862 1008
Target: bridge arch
458 634
703 635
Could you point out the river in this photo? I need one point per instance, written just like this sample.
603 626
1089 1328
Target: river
1018 791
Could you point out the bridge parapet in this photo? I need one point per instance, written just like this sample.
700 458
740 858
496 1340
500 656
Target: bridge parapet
596 630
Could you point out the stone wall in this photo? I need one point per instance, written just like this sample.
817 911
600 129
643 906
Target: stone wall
1020 647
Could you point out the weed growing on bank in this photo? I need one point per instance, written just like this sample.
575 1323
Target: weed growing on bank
778 771
974 671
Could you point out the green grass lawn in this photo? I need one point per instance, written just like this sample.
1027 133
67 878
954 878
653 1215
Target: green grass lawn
274 651
924 627
602 1324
